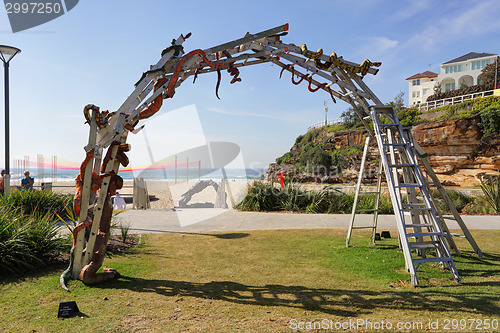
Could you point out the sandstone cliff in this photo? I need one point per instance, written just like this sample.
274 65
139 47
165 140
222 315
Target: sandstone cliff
455 150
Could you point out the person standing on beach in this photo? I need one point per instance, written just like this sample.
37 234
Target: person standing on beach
27 182
2 181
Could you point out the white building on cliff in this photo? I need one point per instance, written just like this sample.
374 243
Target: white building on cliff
461 72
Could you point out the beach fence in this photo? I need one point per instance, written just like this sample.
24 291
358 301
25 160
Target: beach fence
45 170
52 169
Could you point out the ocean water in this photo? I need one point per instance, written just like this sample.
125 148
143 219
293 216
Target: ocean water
192 173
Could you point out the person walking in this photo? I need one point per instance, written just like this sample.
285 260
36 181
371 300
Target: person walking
27 182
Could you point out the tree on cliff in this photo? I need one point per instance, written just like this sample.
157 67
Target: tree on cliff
351 119
488 75
315 159
398 102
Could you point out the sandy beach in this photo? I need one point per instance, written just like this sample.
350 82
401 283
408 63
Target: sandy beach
166 195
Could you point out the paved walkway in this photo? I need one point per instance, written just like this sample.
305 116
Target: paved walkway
203 220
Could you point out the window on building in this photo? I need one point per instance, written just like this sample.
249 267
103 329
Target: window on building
453 69
449 86
416 82
485 63
415 94
480 64
425 91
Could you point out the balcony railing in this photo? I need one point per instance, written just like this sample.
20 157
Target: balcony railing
452 100
329 122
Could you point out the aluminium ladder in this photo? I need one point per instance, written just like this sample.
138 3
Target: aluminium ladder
417 223
434 181
358 192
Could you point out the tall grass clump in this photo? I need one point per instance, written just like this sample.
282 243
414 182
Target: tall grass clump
28 232
26 242
459 199
269 197
38 202
491 191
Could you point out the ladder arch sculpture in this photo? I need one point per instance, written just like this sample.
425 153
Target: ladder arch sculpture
107 147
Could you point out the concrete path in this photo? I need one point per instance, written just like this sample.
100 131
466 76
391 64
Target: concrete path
204 220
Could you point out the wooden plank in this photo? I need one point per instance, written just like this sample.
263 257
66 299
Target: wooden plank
87 181
113 165
248 38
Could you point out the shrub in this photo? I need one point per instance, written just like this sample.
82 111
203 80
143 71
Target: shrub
267 197
409 117
38 202
491 191
28 233
26 241
490 121
287 158
482 103
457 92
261 196
314 158
459 199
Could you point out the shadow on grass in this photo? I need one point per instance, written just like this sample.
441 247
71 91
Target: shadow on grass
346 303
48 270
483 267
228 235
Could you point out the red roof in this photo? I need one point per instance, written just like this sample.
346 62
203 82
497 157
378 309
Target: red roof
426 74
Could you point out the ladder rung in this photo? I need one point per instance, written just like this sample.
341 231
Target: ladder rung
401 165
416 225
437 199
423 234
423 245
362 227
369 192
408 185
415 209
449 217
395 144
413 204
367 117
438 259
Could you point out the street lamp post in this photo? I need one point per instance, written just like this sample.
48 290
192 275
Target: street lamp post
326 114
6 54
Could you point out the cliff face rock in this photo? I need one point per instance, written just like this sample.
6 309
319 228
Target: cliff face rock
455 150
347 138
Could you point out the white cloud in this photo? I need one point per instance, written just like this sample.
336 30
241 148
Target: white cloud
410 9
374 48
459 24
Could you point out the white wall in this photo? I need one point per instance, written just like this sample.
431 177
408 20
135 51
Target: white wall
418 94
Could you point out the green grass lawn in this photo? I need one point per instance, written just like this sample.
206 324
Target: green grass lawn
264 281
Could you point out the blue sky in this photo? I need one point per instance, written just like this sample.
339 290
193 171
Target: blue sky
98 50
